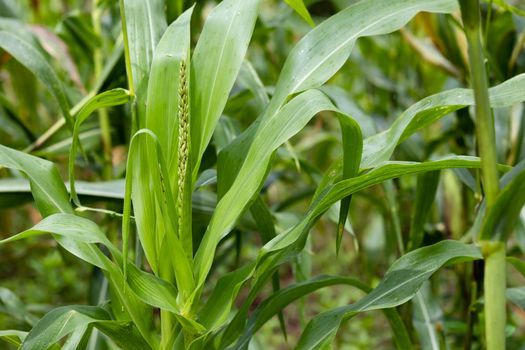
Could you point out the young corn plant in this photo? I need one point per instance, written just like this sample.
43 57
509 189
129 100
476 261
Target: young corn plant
176 94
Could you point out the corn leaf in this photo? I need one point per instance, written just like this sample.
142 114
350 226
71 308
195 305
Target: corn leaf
379 148
32 58
13 336
288 244
148 288
278 300
400 283
215 64
162 119
62 321
321 53
12 305
504 214
106 99
46 185
145 23
291 119
298 6
182 267
324 50
427 184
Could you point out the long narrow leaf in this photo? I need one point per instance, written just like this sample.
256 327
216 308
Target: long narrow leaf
216 62
402 280
33 59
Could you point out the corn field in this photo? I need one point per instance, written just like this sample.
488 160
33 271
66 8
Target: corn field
262 174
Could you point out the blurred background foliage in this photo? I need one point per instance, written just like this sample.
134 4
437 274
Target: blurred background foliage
81 40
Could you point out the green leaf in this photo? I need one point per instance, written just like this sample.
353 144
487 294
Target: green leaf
503 216
25 53
216 62
75 226
324 50
182 266
289 243
106 99
427 184
379 148
145 22
352 152
400 283
270 135
163 87
282 298
217 308
426 316
148 288
13 306
162 119
13 336
298 6
518 264
46 185
277 301
508 7
64 320
51 197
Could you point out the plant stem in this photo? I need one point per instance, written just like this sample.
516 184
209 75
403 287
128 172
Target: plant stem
494 252
495 298
484 120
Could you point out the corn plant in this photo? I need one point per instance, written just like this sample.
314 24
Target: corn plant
176 94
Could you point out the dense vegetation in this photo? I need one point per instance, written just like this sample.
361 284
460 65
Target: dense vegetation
262 174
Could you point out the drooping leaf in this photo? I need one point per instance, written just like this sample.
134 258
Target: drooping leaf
323 51
106 99
64 320
82 235
291 119
13 336
379 148
278 300
46 185
289 243
52 198
76 228
33 60
402 280
10 304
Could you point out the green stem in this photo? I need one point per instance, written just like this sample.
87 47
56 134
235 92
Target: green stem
484 120
167 322
494 252
495 298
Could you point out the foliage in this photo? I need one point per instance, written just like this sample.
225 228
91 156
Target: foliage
237 143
